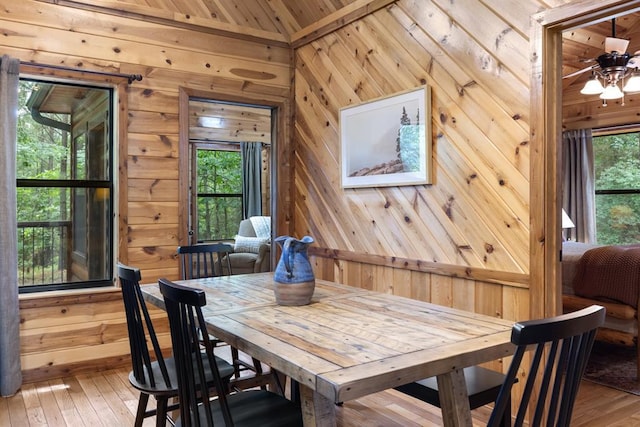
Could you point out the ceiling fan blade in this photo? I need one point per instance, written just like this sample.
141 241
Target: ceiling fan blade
584 70
612 44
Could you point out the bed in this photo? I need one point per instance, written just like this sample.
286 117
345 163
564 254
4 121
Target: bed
609 276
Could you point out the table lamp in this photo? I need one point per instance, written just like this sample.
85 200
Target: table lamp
566 221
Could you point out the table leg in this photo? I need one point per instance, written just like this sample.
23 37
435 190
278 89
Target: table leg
317 410
454 399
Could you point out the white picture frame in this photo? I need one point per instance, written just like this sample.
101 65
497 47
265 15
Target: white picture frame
386 141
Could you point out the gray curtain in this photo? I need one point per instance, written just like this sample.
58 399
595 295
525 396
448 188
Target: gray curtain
251 183
579 185
10 373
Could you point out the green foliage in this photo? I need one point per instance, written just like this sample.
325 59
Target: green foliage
219 186
42 153
617 167
219 172
408 142
44 212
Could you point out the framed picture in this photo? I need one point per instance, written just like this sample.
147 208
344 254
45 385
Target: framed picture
386 141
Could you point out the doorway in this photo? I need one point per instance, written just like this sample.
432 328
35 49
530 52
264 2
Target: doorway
546 106
229 167
273 145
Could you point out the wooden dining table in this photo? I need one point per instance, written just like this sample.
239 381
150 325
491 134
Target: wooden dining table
351 342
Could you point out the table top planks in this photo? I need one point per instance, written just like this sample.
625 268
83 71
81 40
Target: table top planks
367 342
348 342
245 291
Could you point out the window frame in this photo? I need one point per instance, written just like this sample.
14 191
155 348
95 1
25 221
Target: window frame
603 132
111 137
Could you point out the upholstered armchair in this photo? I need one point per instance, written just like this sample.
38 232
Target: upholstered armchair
252 254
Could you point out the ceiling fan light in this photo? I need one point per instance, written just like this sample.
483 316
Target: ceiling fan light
592 87
633 84
612 91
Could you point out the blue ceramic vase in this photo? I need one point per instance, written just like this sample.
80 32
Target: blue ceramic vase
294 281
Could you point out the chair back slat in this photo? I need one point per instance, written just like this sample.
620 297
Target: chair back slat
140 328
205 260
184 309
561 345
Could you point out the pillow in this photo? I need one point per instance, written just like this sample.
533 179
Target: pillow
261 225
249 244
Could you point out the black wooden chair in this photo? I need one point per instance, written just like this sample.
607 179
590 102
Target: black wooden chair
206 260
260 408
561 346
157 377
483 386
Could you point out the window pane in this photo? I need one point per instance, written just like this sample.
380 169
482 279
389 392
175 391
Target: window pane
43 232
219 194
43 151
617 167
617 161
69 245
43 204
618 218
218 217
219 172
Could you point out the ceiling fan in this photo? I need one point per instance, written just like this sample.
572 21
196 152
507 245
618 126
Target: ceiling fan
614 65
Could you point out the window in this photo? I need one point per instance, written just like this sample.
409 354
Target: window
218 192
64 186
617 173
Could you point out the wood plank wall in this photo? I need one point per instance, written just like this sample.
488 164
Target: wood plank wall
463 241
64 334
71 332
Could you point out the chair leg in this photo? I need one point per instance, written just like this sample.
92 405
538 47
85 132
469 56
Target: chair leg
235 361
295 391
506 416
161 412
142 408
235 356
258 368
257 365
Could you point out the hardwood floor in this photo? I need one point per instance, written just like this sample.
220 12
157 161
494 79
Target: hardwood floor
107 399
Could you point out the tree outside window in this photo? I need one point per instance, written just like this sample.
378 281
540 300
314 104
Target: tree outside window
617 172
219 194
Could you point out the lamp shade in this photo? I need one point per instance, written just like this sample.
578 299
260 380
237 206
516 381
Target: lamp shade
592 87
633 84
612 91
566 221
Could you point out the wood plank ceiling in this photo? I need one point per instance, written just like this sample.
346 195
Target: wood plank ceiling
296 23
288 18
580 48
274 20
